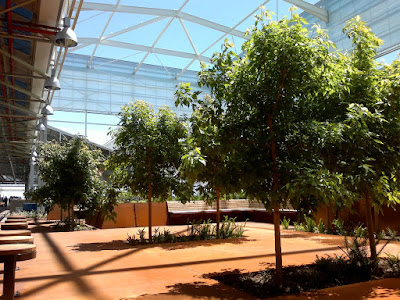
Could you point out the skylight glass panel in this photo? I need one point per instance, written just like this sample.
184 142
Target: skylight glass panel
168 61
145 35
221 12
88 50
164 4
202 36
91 23
118 54
125 21
175 38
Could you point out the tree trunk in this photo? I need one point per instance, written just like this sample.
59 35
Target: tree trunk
328 221
275 187
218 212
370 225
278 250
149 197
72 210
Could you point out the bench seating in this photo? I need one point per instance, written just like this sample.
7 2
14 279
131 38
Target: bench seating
242 209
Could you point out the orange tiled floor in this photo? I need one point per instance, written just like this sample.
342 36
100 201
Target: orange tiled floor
98 265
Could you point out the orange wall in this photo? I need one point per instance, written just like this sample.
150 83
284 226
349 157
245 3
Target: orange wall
125 216
55 213
389 217
159 214
135 215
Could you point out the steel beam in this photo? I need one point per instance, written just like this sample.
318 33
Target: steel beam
160 12
24 63
144 48
22 90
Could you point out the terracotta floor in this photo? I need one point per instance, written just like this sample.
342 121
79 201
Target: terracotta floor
99 265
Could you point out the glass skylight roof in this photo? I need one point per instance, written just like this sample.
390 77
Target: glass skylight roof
141 49
173 33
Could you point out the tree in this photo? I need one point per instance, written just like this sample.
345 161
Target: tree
71 175
365 135
148 151
207 162
270 98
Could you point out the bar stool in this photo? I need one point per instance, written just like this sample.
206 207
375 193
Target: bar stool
15 217
9 255
16 232
15 220
14 226
16 239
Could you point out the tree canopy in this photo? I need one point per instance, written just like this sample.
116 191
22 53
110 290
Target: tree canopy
71 175
148 151
269 98
364 136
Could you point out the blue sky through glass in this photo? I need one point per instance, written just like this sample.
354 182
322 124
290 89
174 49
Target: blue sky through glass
128 36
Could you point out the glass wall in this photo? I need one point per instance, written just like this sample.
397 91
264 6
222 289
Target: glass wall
382 16
90 98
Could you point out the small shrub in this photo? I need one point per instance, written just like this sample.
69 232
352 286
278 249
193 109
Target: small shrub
309 224
195 231
338 227
356 250
299 226
230 229
393 261
67 224
353 266
206 230
131 239
321 228
163 237
141 239
360 231
285 223
392 234
34 214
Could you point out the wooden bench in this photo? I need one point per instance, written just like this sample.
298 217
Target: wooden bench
241 209
233 204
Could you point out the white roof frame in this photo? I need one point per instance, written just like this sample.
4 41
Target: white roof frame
161 14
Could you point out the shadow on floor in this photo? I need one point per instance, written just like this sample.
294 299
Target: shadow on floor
198 290
123 245
207 243
113 245
320 238
41 227
375 289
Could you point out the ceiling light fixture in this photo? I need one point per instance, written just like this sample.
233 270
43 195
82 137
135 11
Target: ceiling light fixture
66 37
47 110
52 83
40 126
